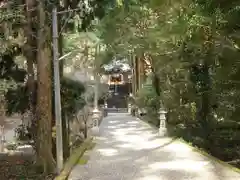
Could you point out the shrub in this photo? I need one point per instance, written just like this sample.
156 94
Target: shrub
71 96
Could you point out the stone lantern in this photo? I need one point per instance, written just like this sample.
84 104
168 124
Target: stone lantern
130 104
129 108
95 122
162 118
105 105
105 110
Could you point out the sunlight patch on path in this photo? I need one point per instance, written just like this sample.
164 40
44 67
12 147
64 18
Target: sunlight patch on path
129 150
108 152
188 165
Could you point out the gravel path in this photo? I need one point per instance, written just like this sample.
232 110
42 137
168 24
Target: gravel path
128 149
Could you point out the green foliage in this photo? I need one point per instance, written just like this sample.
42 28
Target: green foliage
71 96
81 20
13 76
71 91
194 51
9 69
17 100
147 98
22 133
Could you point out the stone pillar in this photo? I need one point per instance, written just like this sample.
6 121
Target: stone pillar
2 138
138 112
162 119
95 122
129 108
144 111
133 110
105 109
105 105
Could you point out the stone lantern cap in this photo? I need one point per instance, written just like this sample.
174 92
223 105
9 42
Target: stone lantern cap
162 111
95 110
96 114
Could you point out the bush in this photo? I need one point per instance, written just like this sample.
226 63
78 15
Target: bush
147 98
71 96
17 100
22 133
71 91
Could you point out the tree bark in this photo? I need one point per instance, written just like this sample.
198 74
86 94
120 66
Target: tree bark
156 79
2 118
31 57
137 84
66 144
44 93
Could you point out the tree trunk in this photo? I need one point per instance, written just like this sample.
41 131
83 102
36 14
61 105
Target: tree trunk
31 57
156 83
205 119
2 118
66 144
156 79
44 94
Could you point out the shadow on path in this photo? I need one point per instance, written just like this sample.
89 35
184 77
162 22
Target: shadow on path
127 149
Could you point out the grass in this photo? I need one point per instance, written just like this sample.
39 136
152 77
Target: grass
74 159
83 160
91 146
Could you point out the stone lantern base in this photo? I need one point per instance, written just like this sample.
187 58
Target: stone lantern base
162 127
162 132
129 108
96 116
